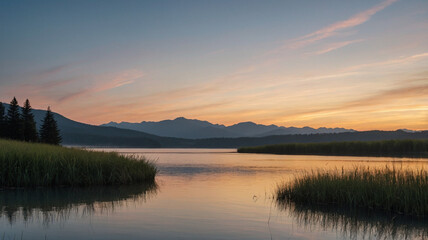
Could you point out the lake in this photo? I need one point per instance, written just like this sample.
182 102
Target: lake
202 194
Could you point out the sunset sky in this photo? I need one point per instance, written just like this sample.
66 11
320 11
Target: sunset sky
353 64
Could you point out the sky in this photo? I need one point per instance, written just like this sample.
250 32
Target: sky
353 64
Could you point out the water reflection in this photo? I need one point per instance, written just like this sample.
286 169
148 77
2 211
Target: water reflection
58 204
205 194
356 224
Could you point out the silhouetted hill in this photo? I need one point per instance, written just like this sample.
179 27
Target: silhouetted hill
179 127
311 138
197 129
76 133
303 130
250 129
81 134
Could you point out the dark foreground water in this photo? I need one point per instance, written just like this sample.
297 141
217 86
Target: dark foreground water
201 194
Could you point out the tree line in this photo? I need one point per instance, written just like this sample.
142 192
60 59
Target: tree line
18 124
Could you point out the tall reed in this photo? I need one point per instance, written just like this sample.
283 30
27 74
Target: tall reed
31 165
389 190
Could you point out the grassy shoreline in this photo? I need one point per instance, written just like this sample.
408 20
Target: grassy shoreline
388 148
35 165
388 190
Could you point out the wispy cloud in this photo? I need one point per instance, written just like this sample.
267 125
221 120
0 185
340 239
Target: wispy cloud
37 88
334 46
124 78
41 93
379 98
49 72
334 28
389 95
392 62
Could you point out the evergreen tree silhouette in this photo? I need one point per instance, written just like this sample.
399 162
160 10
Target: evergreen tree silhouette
30 130
49 132
2 122
14 122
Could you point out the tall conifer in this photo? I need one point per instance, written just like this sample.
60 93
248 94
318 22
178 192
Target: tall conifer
2 122
49 132
14 122
30 130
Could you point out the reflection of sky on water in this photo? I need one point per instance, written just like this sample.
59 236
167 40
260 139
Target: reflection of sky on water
356 224
200 195
58 204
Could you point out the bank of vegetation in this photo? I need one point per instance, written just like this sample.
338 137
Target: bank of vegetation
34 164
389 190
393 148
32 158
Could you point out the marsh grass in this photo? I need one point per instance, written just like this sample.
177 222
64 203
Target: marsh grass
394 148
33 165
390 190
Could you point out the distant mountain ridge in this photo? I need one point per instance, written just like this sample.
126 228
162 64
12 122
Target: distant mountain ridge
81 134
196 129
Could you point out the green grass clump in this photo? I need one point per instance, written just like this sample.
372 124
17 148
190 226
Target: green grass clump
32 165
398 148
389 190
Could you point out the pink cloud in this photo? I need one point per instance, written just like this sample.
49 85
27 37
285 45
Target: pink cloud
392 62
332 29
124 78
334 46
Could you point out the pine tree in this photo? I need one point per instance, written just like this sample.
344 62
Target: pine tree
14 122
49 132
30 130
2 122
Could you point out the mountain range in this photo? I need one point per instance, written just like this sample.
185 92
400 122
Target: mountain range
197 129
80 134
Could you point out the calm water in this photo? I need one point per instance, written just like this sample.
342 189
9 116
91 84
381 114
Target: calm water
201 194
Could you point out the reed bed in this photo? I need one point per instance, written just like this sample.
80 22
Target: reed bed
395 148
389 190
33 165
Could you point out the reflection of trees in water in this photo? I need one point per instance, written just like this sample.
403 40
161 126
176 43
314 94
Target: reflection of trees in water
357 224
58 204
